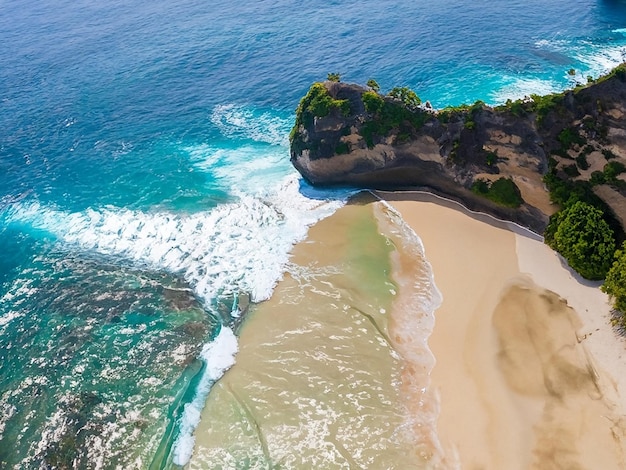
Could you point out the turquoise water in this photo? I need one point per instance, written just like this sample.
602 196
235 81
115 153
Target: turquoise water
145 184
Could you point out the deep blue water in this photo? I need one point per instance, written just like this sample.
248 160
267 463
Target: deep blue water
145 183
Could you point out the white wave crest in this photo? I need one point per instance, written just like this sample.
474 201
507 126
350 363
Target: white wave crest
219 356
520 87
240 246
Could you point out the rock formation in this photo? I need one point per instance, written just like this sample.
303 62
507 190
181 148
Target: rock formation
347 134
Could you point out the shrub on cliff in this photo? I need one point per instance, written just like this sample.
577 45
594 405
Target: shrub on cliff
390 115
333 77
408 97
373 102
583 237
615 282
317 103
612 169
503 191
373 84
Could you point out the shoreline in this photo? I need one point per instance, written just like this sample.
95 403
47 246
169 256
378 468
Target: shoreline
343 365
316 380
494 413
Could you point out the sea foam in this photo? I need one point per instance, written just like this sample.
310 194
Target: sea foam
219 356
235 121
234 247
238 246
242 246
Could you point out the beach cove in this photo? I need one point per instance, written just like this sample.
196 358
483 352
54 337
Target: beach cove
340 368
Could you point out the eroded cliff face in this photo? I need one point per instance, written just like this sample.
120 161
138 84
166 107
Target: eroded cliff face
385 145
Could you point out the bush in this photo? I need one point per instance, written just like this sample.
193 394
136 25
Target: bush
373 84
503 191
491 158
571 171
570 136
408 97
373 102
615 282
608 154
612 169
480 186
342 148
581 161
390 115
317 103
597 177
584 238
543 105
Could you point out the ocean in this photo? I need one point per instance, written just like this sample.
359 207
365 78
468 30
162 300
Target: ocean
146 191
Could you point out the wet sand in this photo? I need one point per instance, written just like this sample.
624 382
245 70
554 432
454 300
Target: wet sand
317 379
519 382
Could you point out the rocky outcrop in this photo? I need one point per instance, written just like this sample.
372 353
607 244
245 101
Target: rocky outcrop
346 134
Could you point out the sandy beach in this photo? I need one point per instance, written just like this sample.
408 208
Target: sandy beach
316 382
358 361
529 372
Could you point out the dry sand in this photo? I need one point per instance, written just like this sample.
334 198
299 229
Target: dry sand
528 370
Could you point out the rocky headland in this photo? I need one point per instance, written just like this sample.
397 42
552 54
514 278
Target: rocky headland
518 161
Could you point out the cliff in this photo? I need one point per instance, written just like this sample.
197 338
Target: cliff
346 134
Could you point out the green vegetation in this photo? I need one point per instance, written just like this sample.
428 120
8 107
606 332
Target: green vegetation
565 192
541 105
462 112
612 170
615 282
503 191
317 103
570 136
373 102
491 158
597 177
619 72
583 237
388 115
373 84
571 170
609 175
342 148
408 97
581 161
333 77
608 154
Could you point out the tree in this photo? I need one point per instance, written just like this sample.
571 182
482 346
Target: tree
333 77
373 102
583 237
615 282
373 84
407 96
504 191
